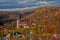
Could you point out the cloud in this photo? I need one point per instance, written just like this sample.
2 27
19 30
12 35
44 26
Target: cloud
15 5
2 0
26 1
45 2
35 2
22 2
19 9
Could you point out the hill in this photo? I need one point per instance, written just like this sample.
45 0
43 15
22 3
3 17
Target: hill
44 22
48 17
10 16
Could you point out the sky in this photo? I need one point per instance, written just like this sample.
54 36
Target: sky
26 4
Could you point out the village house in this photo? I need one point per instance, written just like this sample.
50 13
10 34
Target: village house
24 24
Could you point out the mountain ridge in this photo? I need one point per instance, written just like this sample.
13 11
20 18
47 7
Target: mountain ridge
45 16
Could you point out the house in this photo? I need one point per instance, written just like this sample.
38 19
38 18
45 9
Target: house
24 24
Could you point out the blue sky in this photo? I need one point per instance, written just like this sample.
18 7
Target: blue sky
26 4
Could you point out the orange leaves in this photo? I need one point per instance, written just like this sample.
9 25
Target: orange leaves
52 28
57 13
44 22
46 16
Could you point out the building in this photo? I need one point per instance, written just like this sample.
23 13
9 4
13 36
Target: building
24 24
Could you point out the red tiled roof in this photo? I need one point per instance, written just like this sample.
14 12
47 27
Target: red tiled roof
22 22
